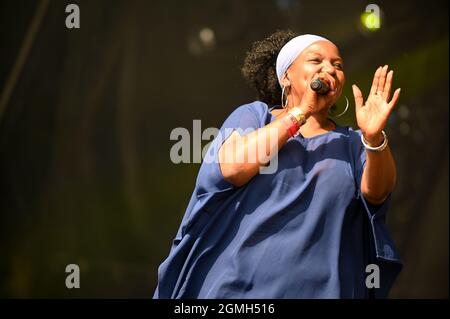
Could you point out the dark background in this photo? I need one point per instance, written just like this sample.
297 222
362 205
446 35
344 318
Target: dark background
86 115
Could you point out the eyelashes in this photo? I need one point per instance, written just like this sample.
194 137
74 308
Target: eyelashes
339 66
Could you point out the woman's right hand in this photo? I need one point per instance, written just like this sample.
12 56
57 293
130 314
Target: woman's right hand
312 102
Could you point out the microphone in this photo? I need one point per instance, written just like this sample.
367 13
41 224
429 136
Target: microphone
320 87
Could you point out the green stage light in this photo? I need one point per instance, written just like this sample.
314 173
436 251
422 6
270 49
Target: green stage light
371 18
371 21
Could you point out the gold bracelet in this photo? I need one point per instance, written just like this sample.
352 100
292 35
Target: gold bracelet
299 115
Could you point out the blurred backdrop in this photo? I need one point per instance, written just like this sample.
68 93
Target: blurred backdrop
86 115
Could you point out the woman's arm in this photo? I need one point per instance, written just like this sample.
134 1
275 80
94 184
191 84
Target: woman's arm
240 157
379 175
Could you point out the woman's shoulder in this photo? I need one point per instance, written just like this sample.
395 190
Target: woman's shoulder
255 114
354 134
353 137
258 108
348 131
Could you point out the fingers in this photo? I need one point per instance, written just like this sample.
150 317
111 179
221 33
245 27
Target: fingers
382 80
329 79
359 101
376 78
394 98
388 86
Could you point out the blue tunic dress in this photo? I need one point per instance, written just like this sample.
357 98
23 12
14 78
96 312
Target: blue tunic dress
303 232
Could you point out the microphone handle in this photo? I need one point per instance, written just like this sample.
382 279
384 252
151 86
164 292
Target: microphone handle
319 86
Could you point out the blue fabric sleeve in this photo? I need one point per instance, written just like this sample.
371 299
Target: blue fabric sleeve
384 245
244 119
386 255
360 156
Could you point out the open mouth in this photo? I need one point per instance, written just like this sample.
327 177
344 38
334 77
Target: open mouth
332 92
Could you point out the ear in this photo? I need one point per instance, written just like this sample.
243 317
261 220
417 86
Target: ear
285 80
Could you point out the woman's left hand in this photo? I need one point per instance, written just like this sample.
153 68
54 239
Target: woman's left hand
373 115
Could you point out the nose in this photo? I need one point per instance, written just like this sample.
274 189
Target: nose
329 68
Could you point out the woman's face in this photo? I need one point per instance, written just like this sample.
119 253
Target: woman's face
321 58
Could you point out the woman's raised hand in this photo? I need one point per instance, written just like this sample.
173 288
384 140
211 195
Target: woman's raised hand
372 115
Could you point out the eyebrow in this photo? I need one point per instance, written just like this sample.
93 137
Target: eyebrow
333 59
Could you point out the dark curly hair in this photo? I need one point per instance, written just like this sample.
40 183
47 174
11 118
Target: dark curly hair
259 67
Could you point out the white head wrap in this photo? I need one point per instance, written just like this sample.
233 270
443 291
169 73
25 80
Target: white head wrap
291 50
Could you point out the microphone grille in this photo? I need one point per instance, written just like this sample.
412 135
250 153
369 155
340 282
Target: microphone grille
316 85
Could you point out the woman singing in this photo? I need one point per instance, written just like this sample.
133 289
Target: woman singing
306 219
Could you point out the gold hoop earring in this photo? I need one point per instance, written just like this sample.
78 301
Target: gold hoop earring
342 113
